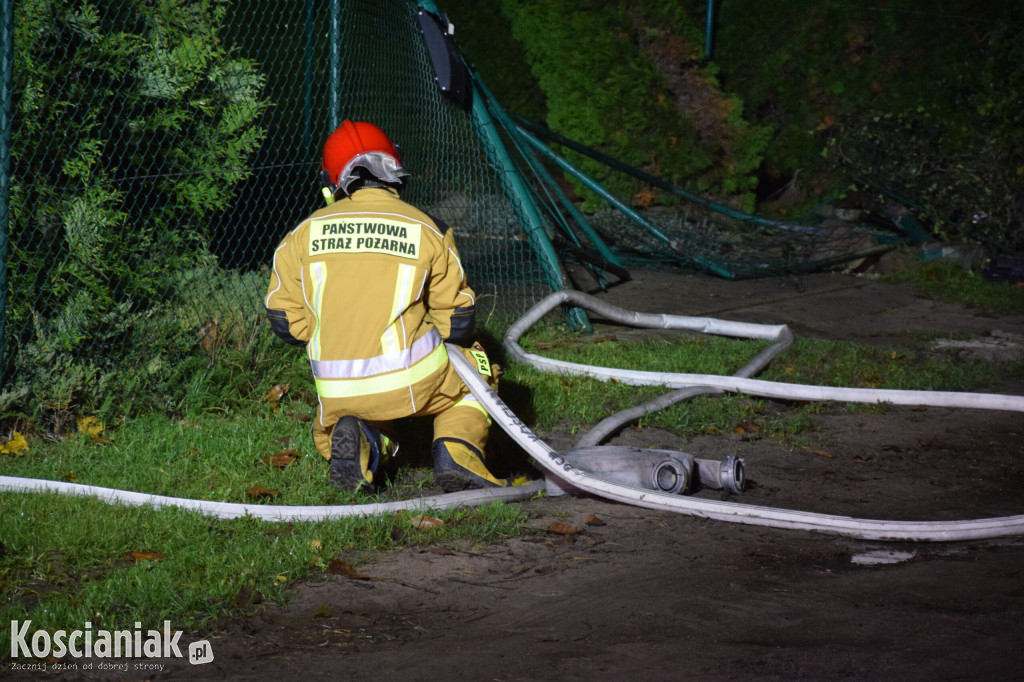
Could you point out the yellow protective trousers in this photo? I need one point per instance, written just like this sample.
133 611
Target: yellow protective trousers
456 415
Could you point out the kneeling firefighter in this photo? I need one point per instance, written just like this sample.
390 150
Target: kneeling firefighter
373 287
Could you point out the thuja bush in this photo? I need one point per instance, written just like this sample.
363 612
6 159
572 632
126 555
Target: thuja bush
133 123
212 323
908 99
616 77
956 164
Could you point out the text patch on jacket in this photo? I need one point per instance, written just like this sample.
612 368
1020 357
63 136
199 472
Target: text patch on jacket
390 237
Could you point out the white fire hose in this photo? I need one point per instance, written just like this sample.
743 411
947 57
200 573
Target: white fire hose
561 473
271 512
561 470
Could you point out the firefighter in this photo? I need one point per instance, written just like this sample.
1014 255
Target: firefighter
373 288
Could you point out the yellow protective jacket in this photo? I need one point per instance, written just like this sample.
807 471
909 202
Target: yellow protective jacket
373 287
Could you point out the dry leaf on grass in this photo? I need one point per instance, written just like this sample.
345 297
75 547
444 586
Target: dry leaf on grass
16 446
281 459
92 427
339 567
274 395
423 521
144 556
260 492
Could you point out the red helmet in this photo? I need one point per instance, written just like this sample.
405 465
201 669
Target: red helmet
359 144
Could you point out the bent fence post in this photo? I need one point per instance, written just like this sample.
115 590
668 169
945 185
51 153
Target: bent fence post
6 95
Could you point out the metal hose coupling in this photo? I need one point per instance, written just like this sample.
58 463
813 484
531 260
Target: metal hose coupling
666 471
728 474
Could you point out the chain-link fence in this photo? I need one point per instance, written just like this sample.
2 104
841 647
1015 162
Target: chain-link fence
158 151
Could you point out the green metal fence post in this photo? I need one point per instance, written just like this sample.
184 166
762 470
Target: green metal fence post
580 219
530 213
335 66
709 29
6 95
499 156
307 82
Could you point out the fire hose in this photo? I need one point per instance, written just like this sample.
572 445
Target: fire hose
566 470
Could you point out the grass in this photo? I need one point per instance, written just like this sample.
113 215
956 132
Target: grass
71 560
68 560
951 283
211 457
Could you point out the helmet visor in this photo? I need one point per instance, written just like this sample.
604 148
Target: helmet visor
384 167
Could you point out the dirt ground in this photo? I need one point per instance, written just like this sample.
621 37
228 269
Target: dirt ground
623 591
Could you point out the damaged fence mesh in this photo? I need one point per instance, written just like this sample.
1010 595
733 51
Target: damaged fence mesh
692 231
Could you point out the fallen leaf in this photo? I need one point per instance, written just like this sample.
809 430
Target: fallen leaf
339 567
92 427
323 611
258 492
16 446
274 395
316 544
69 476
144 556
208 337
281 459
644 198
423 521
819 452
592 520
747 427
827 121
562 528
